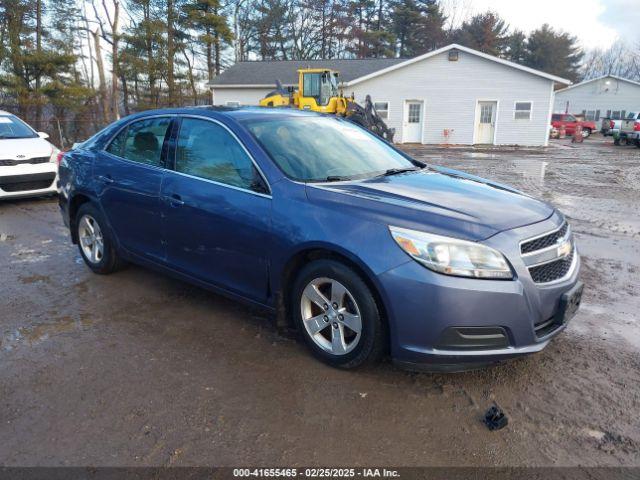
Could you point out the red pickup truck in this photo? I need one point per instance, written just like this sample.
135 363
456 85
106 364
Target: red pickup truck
570 122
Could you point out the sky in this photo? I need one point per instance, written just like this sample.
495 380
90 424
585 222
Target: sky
596 23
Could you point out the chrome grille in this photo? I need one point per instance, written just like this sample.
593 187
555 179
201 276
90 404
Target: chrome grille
551 271
12 163
549 257
544 241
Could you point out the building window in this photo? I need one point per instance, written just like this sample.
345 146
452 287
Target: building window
615 115
590 115
232 104
382 109
597 115
414 113
522 111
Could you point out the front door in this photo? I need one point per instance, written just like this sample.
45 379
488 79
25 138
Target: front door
412 125
217 211
128 175
486 122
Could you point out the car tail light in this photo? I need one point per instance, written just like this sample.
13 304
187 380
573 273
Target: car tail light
612 124
636 127
59 157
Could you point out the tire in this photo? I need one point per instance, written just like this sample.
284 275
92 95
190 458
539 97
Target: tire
102 261
586 133
352 349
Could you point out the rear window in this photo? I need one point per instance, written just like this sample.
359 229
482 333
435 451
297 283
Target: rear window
12 127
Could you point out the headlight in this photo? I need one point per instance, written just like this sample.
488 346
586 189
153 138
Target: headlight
452 256
53 158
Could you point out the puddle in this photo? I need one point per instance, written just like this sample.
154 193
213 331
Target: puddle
39 333
34 279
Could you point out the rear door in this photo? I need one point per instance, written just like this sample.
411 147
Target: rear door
217 210
129 174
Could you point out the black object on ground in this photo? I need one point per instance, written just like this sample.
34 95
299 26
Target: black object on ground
495 419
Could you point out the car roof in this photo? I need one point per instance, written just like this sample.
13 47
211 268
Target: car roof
232 113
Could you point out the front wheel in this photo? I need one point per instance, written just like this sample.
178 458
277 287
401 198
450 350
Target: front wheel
337 315
586 132
94 242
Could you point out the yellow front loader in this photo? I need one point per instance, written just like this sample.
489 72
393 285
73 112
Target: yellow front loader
318 91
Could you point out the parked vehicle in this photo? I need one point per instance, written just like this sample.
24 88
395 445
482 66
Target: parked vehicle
611 126
27 161
359 246
629 131
570 122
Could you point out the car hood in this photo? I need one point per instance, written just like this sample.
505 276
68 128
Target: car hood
442 201
12 148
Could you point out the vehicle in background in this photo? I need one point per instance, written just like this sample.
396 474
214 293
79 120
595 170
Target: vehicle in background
611 126
629 131
28 162
570 122
359 246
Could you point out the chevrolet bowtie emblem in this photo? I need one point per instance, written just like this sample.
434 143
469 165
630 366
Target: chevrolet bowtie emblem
20 156
564 249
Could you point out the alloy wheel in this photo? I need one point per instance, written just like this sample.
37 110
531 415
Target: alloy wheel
91 239
331 316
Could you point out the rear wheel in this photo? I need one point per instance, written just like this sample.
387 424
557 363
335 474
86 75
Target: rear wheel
94 241
586 132
337 315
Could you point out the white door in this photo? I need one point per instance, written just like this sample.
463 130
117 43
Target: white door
412 125
485 122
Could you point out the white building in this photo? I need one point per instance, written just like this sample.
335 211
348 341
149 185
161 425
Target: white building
452 95
607 96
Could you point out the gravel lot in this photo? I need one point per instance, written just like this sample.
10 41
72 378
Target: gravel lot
140 369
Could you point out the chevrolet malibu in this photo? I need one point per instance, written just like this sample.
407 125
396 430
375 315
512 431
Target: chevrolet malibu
361 248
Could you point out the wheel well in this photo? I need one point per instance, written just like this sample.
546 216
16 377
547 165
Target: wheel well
295 264
76 202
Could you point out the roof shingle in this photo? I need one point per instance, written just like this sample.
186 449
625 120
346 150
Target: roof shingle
266 73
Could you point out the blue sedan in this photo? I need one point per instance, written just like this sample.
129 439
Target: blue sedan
361 248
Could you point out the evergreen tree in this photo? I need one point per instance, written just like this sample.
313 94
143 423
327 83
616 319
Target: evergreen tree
516 50
485 32
418 26
554 52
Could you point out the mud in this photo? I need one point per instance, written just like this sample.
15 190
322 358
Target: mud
140 369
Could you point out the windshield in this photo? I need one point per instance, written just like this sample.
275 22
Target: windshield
321 149
12 127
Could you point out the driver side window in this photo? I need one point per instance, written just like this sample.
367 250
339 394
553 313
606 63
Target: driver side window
207 150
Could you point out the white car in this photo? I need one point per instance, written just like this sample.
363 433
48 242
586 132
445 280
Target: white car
28 163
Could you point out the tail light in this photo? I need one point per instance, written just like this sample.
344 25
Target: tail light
612 124
636 127
59 157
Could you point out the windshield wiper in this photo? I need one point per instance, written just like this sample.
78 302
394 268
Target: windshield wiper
337 178
395 171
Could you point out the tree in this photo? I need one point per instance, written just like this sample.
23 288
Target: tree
554 52
418 26
205 18
516 50
485 32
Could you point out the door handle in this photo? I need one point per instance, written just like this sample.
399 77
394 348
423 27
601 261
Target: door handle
174 200
105 179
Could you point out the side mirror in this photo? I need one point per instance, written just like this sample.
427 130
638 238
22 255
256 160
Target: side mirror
43 135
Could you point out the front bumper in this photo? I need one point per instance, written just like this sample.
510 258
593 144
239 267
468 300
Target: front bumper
424 306
28 180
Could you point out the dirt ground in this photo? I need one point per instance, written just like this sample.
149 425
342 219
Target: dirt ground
139 369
